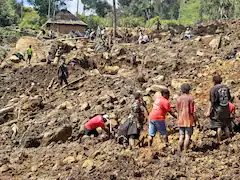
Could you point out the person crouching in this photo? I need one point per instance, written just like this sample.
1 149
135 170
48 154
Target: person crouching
97 121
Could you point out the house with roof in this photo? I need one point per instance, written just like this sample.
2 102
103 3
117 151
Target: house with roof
65 22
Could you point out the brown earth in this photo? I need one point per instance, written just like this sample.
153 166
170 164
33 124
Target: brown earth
49 120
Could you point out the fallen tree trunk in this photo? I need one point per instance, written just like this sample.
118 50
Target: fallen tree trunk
6 110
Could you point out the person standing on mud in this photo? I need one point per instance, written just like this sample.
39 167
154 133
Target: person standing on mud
63 72
161 107
29 53
219 111
186 117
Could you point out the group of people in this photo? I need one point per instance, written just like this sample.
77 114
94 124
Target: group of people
221 112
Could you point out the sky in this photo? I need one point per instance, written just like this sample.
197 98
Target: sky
71 5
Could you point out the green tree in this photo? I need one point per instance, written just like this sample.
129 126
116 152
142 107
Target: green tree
100 7
42 6
218 9
7 13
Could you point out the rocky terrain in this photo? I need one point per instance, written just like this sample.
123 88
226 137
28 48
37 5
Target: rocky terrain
40 123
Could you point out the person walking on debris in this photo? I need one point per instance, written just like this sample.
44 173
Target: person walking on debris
161 107
186 117
97 121
219 111
29 53
63 72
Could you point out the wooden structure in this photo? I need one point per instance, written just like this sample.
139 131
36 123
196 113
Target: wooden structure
64 22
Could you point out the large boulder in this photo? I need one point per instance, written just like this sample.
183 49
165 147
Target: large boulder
215 43
61 134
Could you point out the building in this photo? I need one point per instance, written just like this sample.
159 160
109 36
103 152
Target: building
65 22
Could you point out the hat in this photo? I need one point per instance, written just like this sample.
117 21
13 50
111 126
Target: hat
105 116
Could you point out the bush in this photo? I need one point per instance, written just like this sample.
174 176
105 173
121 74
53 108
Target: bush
30 20
152 23
131 22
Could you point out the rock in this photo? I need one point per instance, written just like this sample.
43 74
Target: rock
69 160
95 154
215 43
85 106
148 100
61 134
126 73
34 168
122 101
65 105
30 142
79 157
176 83
88 165
113 70
14 59
155 88
33 102
117 51
158 80
4 168
199 38
200 53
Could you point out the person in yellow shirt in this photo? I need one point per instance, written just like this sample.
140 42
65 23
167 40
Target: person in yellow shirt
29 53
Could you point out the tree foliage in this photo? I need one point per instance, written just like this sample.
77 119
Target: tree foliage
7 13
218 9
42 6
100 7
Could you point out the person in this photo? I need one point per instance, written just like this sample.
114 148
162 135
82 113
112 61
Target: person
51 34
219 111
108 59
138 107
92 35
187 34
140 39
49 58
161 107
232 109
29 53
187 118
97 121
63 72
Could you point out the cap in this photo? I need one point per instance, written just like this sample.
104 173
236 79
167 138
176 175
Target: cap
105 116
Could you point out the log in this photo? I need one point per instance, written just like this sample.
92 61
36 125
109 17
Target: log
6 110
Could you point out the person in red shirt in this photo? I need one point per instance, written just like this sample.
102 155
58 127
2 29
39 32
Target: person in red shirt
97 121
161 107
186 117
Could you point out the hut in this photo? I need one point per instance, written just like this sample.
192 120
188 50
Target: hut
65 22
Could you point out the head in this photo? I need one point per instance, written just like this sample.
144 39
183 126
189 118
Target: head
217 79
49 53
185 88
188 29
106 118
30 46
165 93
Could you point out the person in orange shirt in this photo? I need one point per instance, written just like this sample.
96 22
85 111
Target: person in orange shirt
186 117
161 107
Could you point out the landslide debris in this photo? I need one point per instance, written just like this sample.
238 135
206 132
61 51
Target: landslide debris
41 123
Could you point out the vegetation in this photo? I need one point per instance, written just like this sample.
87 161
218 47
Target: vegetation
130 13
